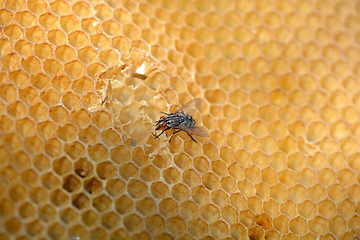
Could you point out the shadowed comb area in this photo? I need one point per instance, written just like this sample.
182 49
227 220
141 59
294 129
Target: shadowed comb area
83 82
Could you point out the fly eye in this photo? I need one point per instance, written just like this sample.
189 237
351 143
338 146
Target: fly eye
161 117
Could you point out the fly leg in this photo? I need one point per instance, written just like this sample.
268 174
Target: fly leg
191 137
174 134
157 136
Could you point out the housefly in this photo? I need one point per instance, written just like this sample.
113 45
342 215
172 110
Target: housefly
180 120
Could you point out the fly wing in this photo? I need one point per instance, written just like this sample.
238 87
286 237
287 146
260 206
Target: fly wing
197 130
190 107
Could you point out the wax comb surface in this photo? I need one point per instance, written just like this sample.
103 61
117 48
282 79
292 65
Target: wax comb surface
82 83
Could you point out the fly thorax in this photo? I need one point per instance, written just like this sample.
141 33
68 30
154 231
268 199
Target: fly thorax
190 122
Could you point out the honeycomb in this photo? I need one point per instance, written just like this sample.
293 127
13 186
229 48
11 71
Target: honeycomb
82 83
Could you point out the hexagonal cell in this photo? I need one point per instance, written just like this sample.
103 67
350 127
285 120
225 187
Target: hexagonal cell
20 161
115 187
317 193
136 188
155 224
337 225
30 178
120 154
71 183
171 175
93 186
50 181
80 201
17 193
125 205
106 170
327 209
148 173
133 223
336 192
59 197
47 213
69 215
13 225
74 150
59 114
96 152
110 220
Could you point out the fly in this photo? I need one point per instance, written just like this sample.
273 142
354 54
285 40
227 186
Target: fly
180 120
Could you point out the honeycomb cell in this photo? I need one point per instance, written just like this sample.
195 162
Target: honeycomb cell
67 132
82 9
337 225
98 233
65 53
69 215
93 186
17 193
339 190
171 175
77 231
29 178
59 197
155 224
176 226
83 168
133 223
35 228
27 211
56 231
20 161
128 171
71 183
168 207
12 142
25 18
346 209
88 55
50 97
53 147
14 32
146 206
110 137
148 173
80 201
110 220
198 228
124 204
69 23
50 181
6 124
75 69
13 225
47 213
62 165
119 233
6 17
35 34
52 67
136 188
